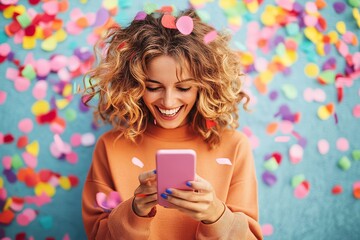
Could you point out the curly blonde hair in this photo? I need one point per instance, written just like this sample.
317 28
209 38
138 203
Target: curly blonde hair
119 78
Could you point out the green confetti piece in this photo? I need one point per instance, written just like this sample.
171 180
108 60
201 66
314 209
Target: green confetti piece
70 115
239 10
289 91
150 7
16 162
292 29
297 179
354 3
28 72
271 164
327 76
280 49
344 163
356 155
24 19
46 222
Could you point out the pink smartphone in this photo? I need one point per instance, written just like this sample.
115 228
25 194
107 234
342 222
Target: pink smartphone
174 168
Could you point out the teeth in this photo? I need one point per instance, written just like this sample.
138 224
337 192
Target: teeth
169 112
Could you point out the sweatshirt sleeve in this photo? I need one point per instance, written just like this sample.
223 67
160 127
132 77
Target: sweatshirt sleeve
117 223
240 218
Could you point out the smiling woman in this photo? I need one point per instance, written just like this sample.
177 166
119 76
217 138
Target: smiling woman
163 84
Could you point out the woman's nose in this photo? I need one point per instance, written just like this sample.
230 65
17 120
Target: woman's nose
169 99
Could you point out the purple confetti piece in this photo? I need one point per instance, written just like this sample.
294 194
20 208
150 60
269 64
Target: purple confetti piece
339 7
102 15
269 178
302 142
10 175
273 95
140 15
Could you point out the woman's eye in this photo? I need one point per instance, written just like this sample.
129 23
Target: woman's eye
184 89
152 89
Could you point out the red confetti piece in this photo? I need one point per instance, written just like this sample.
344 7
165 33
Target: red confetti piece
22 141
45 175
337 189
74 180
6 216
210 124
278 157
8 138
47 118
340 94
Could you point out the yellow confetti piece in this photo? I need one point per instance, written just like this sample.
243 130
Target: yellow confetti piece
320 48
1 182
252 6
60 35
29 42
110 4
268 17
67 91
33 148
62 103
266 77
39 33
9 12
40 107
235 21
311 70
46 188
325 111
356 13
247 59
341 27
7 203
49 44
313 34
227 4
64 182
334 37
83 1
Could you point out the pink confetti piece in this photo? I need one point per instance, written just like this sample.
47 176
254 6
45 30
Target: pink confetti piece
342 144
21 84
40 90
286 127
302 190
140 15
58 62
185 25
25 125
3 96
5 49
38 200
323 146
296 153
12 73
282 139
72 157
108 202
6 162
267 230
42 67
210 36
29 159
356 111
137 162
223 161
75 140
51 7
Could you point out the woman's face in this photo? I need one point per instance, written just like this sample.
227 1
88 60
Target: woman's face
168 99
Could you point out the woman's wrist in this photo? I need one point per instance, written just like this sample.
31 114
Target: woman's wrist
219 213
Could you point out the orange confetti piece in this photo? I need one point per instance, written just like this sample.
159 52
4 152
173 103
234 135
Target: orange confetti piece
320 4
63 5
82 22
272 128
330 107
261 87
57 24
356 193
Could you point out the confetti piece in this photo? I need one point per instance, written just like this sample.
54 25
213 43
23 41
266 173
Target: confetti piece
3 96
336 190
168 21
302 190
271 164
137 162
289 91
269 178
25 125
356 111
267 230
342 144
185 25
344 163
296 153
210 36
356 190
297 179
354 3
311 70
326 77
108 202
88 139
22 141
323 146
6 216
356 155
223 161
46 188
29 159
325 111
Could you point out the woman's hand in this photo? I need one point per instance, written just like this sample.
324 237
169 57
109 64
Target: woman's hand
145 195
201 204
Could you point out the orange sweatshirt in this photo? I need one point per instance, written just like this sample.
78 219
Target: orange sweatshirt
113 169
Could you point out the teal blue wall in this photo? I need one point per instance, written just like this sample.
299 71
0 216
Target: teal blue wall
320 214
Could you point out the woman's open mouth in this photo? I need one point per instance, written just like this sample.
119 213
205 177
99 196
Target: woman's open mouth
169 113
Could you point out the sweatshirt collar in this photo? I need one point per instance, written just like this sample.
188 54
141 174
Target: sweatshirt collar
182 133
